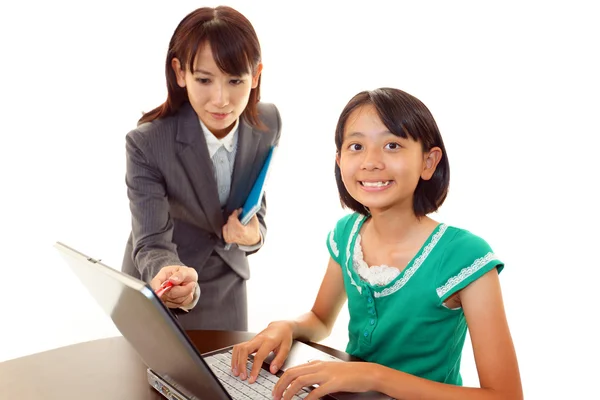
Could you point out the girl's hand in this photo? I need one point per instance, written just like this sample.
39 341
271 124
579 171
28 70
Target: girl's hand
277 337
331 376
235 232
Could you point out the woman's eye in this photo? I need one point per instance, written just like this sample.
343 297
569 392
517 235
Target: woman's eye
203 81
393 146
236 82
355 147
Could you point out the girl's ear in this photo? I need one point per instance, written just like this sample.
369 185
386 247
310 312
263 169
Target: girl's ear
431 159
337 158
259 69
179 72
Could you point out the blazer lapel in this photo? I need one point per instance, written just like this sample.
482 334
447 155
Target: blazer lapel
244 167
198 166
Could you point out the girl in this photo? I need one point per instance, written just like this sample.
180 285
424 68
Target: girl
191 164
413 285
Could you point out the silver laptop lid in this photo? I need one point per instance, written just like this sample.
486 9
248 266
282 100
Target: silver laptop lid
146 324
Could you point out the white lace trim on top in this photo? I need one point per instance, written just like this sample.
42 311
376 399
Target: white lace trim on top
465 273
409 272
333 244
377 275
348 258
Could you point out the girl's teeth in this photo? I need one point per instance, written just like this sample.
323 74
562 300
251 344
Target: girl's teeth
376 184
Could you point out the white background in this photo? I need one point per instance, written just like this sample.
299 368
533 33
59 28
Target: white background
514 89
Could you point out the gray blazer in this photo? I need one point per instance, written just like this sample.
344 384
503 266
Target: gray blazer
176 215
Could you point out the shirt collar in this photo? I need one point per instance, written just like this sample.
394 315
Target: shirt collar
215 144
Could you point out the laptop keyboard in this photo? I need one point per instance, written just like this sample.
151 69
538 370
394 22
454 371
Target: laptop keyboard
262 388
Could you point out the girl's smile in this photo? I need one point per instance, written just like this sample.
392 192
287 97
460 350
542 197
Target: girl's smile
375 186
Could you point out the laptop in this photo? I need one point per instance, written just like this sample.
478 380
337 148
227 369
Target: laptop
176 369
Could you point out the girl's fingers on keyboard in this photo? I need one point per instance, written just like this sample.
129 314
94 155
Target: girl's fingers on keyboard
239 357
262 353
282 353
233 365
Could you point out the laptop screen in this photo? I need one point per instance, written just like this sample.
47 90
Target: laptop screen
146 324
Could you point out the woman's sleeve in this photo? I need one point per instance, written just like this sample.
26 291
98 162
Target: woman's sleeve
152 227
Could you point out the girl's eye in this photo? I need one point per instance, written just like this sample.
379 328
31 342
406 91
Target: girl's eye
203 81
393 146
355 147
236 82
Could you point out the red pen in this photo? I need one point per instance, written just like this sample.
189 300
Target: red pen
164 288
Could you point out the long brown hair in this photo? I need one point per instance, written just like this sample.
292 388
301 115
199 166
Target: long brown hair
235 48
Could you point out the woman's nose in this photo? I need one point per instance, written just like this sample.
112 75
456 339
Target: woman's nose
220 96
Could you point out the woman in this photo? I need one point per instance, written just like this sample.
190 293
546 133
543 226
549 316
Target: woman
191 163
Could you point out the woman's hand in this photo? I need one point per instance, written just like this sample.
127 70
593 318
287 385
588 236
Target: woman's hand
235 232
331 376
277 337
184 280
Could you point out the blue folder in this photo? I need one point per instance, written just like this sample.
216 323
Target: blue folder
254 200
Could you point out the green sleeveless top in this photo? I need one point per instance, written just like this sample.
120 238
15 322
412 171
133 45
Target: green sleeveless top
405 325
